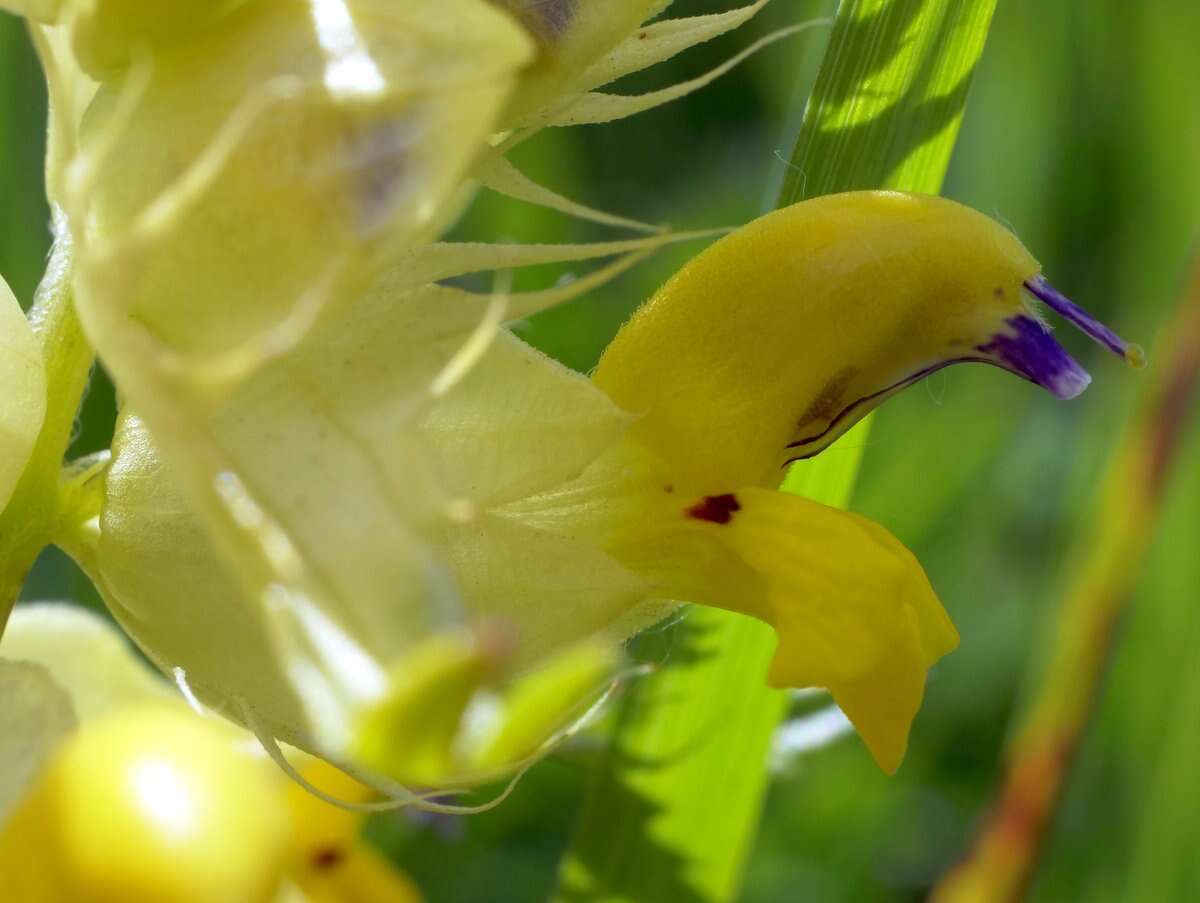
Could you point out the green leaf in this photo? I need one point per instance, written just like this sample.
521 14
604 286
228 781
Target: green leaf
672 808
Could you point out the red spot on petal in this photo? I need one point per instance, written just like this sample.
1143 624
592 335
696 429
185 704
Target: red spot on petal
717 509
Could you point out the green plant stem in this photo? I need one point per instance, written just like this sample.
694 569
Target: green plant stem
35 510
1005 853
673 807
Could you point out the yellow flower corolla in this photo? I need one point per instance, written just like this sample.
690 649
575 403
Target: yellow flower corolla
23 377
766 348
106 35
782 336
574 509
115 792
349 510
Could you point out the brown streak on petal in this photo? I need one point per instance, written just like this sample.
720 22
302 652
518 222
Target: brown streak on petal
829 400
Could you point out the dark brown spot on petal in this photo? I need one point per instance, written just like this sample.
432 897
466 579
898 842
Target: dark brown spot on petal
998 291
716 509
325 858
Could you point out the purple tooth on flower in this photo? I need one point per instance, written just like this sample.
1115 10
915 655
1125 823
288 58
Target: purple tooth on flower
1029 350
1072 312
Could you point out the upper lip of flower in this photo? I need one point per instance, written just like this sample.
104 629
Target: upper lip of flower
1025 347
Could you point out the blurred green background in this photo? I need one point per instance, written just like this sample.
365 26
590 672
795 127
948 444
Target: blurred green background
1083 133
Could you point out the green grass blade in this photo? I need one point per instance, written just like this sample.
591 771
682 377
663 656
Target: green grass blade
889 97
24 231
672 809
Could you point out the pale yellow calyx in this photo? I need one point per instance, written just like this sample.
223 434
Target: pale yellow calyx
400 509
108 35
243 184
515 724
260 169
410 734
451 716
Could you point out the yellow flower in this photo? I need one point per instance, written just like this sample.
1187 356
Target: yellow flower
764 350
345 507
575 509
113 790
